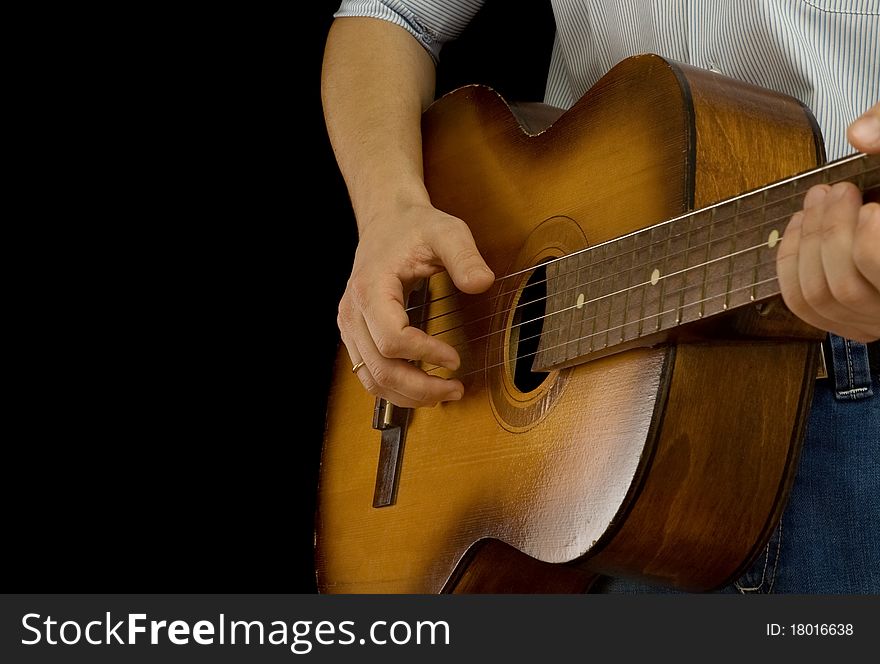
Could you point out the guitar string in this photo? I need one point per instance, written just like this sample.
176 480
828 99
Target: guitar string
640 285
692 213
633 322
624 290
635 249
707 245
583 286
640 320
587 336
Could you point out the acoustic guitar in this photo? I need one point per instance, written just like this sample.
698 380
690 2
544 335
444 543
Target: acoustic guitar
635 391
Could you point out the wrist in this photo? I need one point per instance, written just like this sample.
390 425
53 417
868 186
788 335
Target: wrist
390 206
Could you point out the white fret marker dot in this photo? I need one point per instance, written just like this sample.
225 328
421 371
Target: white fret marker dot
773 239
655 277
580 301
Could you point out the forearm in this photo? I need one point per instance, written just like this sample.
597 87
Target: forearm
376 82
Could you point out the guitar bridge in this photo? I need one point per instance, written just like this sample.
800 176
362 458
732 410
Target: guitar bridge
391 421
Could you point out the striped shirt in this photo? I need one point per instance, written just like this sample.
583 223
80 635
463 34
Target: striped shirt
824 52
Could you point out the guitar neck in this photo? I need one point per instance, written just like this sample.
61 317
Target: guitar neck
637 289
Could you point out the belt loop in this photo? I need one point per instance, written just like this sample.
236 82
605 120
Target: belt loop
851 369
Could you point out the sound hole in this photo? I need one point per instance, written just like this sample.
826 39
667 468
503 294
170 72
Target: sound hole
525 332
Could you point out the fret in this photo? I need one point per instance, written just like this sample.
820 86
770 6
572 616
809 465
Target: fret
567 332
695 263
653 291
590 327
641 317
748 235
603 311
758 237
789 199
705 278
593 292
721 249
565 346
669 274
781 203
748 231
731 252
555 303
869 178
590 288
720 241
576 295
854 171
753 247
635 304
622 265
642 275
576 271
585 261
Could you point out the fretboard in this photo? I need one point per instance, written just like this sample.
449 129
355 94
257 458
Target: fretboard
701 264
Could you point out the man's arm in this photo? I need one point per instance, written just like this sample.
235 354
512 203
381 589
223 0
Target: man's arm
376 82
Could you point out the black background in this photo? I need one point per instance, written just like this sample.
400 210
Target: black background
178 328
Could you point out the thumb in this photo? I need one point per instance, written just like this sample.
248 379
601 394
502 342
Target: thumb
454 245
864 133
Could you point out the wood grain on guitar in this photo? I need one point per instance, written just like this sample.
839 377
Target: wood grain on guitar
647 420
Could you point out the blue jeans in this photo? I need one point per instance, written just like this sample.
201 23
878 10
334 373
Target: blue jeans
828 540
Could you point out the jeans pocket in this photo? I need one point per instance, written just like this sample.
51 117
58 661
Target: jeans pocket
760 577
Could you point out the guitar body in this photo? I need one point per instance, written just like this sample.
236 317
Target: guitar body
670 463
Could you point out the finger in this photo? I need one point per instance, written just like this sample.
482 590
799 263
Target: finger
864 133
810 274
454 246
367 381
787 272
382 308
855 299
399 381
866 250
819 307
790 287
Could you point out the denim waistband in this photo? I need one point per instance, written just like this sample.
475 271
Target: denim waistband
850 366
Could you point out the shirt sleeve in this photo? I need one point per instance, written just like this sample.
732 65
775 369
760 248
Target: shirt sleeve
431 22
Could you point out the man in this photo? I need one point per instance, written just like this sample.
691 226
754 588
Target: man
379 77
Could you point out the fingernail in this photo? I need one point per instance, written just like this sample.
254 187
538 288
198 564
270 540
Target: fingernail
450 364
866 130
455 396
836 192
796 220
815 196
869 214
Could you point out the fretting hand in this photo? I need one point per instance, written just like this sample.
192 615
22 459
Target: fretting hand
829 261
